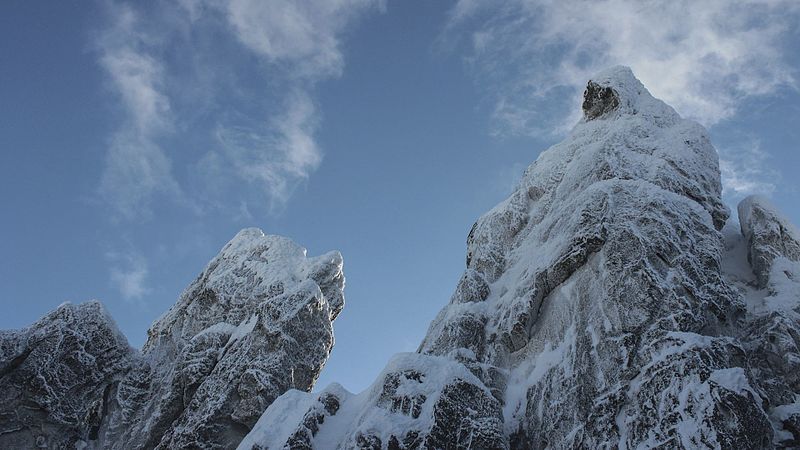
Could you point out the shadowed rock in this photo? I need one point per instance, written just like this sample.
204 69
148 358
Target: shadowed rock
56 374
598 100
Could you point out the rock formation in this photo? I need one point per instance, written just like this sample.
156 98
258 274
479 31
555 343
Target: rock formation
594 311
255 323
609 302
56 374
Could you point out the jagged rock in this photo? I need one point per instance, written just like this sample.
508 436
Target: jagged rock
419 401
594 311
763 265
255 323
598 100
769 236
55 374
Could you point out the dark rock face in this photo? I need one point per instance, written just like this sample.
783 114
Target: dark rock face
598 100
55 376
256 323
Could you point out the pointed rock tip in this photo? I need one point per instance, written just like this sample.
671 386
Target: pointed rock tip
615 88
244 239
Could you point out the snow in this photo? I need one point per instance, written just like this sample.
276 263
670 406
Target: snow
529 373
279 421
734 379
784 287
359 412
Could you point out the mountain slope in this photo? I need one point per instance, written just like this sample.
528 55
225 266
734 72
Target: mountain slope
255 323
594 311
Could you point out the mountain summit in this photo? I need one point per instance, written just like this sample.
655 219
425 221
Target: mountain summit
595 311
609 302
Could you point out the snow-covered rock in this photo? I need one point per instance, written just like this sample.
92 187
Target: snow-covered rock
607 303
764 264
254 324
55 374
594 311
769 236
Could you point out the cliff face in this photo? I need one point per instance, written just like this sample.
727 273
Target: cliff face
255 323
594 311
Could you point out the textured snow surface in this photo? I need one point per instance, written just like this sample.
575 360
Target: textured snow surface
595 310
255 323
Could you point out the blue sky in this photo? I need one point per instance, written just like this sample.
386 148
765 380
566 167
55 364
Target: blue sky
137 138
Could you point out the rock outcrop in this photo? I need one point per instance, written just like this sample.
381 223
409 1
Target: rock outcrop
56 374
255 323
771 285
594 312
769 237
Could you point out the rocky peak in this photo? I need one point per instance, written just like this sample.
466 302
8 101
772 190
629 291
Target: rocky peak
255 323
593 312
55 374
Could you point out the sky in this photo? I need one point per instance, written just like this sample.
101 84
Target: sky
137 138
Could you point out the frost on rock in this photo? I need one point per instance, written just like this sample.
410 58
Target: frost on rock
769 236
770 253
418 401
256 323
55 374
594 312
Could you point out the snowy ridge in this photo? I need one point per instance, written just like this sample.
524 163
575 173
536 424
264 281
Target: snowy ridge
594 310
254 324
408 394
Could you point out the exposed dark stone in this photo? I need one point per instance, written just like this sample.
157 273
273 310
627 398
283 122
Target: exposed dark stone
598 100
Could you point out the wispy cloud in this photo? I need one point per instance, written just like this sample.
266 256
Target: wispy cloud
287 46
746 170
303 39
129 274
703 57
136 167
304 34
274 157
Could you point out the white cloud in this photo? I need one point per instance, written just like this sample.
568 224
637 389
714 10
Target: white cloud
136 167
292 45
702 57
304 34
275 157
746 170
129 275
